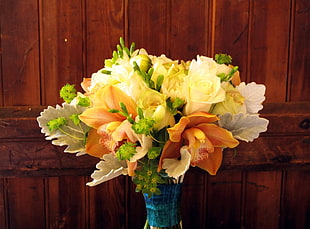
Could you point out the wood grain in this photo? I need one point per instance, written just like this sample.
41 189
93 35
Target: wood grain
193 198
190 29
269 42
262 199
3 206
296 200
69 212
299 87
20 53
104 22
107 203
25 202
148 25
224 194
134 218
232 32
61 44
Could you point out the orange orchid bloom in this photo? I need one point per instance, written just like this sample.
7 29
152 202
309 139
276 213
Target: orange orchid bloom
203 139
105 123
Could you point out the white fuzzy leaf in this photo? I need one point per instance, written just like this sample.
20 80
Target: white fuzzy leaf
75 137
244 127
109 168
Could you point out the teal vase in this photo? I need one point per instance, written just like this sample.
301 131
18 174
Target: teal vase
164 210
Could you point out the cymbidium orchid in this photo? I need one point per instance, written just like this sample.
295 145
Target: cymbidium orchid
108 124
203 139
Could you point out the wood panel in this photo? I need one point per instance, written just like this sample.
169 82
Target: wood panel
193 198
189 29
231 32
269 42
25 202
20 52
262 199
224 202
134 218
148 25
299 67
34 158
65 203
3 212
62 38
296 200
104 26
107 203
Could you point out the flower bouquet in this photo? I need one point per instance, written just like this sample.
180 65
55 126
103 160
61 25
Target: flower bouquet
151 117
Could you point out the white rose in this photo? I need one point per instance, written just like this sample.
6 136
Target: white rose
203 86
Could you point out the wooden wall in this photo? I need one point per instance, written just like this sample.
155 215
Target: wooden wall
45 44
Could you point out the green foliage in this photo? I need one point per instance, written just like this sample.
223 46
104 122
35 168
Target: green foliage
121 49
75 119
223 58
144 126
83 101
123 112
56 123
146 76
147 178
173 106
154 152
68 92
227 77
126 151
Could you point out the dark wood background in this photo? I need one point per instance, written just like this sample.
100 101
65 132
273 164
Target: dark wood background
45 44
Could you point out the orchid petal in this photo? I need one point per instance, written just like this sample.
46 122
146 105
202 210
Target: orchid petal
124 131
201 117
176 131
131 167
170 150
218 136
175 167
213 162
98 116
93 146
86 84
110 97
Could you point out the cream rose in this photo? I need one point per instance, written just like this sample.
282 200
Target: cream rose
233 103
203 87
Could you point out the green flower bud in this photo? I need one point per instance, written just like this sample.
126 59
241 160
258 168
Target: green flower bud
143 61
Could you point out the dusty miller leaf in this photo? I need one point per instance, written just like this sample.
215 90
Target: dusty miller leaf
72 135
243 126
109 168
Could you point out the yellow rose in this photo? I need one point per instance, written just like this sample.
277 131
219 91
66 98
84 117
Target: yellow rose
203 87
173 84
233 103
162 117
